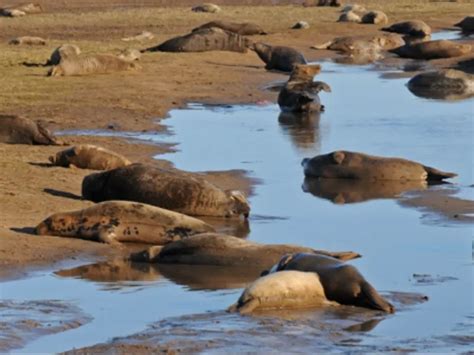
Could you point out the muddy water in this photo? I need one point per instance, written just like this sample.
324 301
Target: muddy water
363 113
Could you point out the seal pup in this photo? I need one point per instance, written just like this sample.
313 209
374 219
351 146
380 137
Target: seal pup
278 57
375 17
92 64
87 156
171 189
122 221
282 290
142 36
466 25
28 41
341 282
206 7
432 50
300 93
19 130
204 40
243 29
443 84
63 52
344 164
225 250
415 28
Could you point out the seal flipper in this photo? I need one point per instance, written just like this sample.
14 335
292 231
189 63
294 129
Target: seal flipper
322 46
244 307
435 174
369 297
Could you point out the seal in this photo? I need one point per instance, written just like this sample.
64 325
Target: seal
375 17
63 52
333 3
448 84
204 40
300 25
122 221
130 55
225 250
349 16
300 93
352 165
28 41
142 36
19 130
466 25
21 10
243 29
171 189
351 44
87 156
342 283
206 7
432 50
415 28
90 65
278 57
282 290
355 8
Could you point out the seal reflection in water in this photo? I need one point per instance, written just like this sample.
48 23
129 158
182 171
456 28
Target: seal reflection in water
121 221
302 128
342 283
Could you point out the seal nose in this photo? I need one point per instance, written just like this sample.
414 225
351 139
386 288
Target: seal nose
304 162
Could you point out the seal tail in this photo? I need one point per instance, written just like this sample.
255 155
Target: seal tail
436 175
322 46
369 297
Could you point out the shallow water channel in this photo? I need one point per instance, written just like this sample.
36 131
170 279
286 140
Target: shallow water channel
363 113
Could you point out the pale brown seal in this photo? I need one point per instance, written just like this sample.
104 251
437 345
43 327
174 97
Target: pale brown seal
300 93
122 221
28 41
354 7
466 25
172 189
87 156
415 28
203 40
21 10
352 165
130 54
206 7
351 44
278 57
142 36
19 130
375 17
349 16
342 283
63 52
243 29
225 250
282 290
92 64
432 50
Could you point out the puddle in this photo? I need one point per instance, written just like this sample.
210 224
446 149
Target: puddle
449 35
363 113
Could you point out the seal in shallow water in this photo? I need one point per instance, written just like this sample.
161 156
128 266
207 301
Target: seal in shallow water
466 25
122 221
344 164
432 50
19 130
278 57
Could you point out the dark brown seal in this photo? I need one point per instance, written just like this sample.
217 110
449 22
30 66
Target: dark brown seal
432 50
415 28
278 57
122 221
466 25
300 93
374 17
19 130
63 52
206 7
171 189
343 164
333 3
243 29
225 250
342 282
203 40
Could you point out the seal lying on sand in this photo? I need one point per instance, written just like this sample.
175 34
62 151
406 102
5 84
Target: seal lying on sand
466 25
352 165
354 7
300 93
282 290
278 57
206 7
28 41
171 189
87 156
443 84
341 282
93 64
225 250
143 36
63 52
375 17
415 28
203 40
21 10
334 3
122 221
349 16
351 44
19 130
432 50
243 29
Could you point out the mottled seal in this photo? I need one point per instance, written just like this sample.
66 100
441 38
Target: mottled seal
203 40
87 156
282 290
351 44
225 250
341 282
415 28
375 17
243 29
341 191
278 57
466 25
130 54
122 221
92 64
443 84
432 50
352 165
172 189
354 8
300 93
206 7
142 36
63 52
349 16
19 130
28 41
